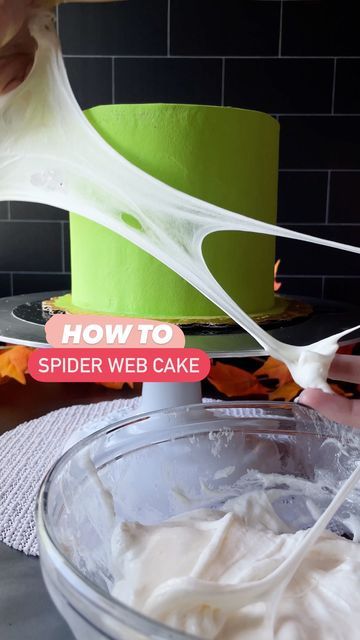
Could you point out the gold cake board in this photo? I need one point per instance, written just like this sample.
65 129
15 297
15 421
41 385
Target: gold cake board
284 310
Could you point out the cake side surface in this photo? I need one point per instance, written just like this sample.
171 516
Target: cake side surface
226 156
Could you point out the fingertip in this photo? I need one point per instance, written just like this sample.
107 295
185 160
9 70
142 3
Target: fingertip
332 406
312 397
329 405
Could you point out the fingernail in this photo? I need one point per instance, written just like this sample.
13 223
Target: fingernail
298 398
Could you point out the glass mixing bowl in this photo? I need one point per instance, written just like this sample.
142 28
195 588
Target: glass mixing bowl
153 466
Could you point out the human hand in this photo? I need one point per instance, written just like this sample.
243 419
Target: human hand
17 47
335 407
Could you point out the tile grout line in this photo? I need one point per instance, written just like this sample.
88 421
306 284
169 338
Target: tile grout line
42 273
294 276
282 275
280 28
333 88
325 170
62 248
318 224
11 284
222 82
320 114
327 198
283 222
36 220
208 57
168 28
323 287
8 211
113 80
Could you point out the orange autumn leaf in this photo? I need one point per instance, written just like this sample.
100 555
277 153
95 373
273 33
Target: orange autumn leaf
116 385
275 369
14 363
287 392
346 349
277 285
233 381
340 391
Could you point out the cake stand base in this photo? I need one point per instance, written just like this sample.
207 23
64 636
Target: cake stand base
164 395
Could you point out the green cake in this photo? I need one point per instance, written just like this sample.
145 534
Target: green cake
223 155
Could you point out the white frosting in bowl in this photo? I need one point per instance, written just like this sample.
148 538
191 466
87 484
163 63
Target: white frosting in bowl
187 572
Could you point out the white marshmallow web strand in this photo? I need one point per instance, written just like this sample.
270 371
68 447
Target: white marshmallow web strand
49 153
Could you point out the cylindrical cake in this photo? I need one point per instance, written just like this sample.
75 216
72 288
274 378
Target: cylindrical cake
225 156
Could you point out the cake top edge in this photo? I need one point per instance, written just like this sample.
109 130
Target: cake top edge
180 106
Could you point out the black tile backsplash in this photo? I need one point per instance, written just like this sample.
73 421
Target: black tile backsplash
224 28
30 246
91 80
66 246
34 211
133 27
5 285
343 289
296 59
345 197
314 259
184 80
4 211
304 286
320 28
302 196
280 85
30 282
320 142
347 93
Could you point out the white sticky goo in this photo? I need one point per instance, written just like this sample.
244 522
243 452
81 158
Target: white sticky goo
50 154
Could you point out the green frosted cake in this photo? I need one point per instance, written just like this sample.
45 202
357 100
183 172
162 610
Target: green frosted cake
223 155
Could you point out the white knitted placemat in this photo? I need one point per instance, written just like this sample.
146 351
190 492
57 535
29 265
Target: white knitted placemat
29 451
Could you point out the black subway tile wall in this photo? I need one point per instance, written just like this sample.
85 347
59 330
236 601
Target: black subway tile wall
224 27
298 60
344 198
30 246
320 28
136 27
5 285
4 211
184 80
347 89
342 289
34 211
302 197
320 142
91 80
302 286
279 85
66 245
28 282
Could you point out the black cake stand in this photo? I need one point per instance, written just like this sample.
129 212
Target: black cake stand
22 321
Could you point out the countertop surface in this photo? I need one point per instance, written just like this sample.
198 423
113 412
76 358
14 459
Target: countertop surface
26 610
